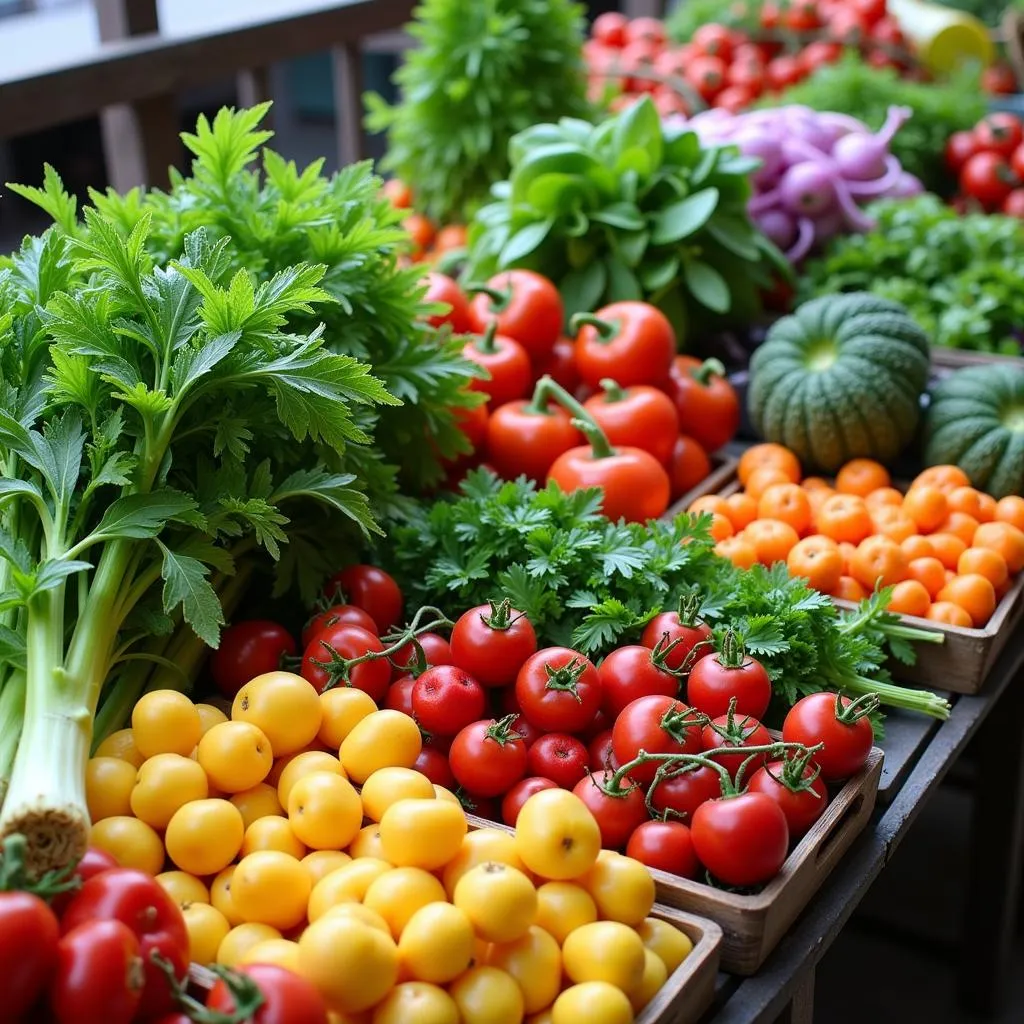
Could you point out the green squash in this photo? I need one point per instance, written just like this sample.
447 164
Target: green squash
975 421
840 378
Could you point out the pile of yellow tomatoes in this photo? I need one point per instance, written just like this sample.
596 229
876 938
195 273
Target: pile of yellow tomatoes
296 832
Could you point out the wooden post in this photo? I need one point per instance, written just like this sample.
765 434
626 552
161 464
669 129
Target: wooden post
347 62
645 8
140 140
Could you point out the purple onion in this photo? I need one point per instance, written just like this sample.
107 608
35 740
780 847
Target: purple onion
906 187
778 227
808 188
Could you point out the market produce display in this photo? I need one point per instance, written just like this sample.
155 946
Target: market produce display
988 161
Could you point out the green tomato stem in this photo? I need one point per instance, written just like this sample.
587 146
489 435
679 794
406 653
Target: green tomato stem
607 330
547 390
708 369
613 391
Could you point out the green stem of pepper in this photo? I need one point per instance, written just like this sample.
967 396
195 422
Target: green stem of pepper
613 391
607 330
708 369
548 391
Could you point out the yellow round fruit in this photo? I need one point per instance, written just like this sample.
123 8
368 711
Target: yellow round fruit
669 943
165 783
343 708
165 722
416 1002
325 811
557 836
207 929
357 912
655 975
347 884
500 901
623 888
534 962
132 843
387 786
220 896
300 765
121 744
272 888
272 834
209 716
595 1002
485 995
562 907
235 756
322 862
440 793
367 843
383 739
204 837
280 952
352 964
436 943
478 847
285 706
109 782
241 939
397 894
422 833
604 951
183 888
259 802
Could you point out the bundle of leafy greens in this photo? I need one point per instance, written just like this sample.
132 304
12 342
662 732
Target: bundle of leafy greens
592 584
686 16
481 72
958 275
630 209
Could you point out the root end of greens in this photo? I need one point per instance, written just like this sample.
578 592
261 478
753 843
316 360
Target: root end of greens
55 837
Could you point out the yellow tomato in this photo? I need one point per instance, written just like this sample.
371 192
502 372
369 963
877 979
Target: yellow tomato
209 716
259 802
383 739
108 787
440 793
271 887
367 843
165 783
397 894
416 1002
595 1002
544 1017
387 786
207 929
301 765
325 811
623 888
183 888
557 836
165 722
236 756
668 942
357 912
604 951
322 862
220 896
204 837
132 843
534 962
500 901
285 706
436 943
281 952
346 885
352 964
422 833
655 975
121 744
242 938
272 834
485 995
562 907
343 708
478 847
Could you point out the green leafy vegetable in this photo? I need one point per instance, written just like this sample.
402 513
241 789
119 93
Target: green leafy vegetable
687 16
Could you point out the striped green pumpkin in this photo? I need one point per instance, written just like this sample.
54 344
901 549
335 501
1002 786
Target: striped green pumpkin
840 378
976 421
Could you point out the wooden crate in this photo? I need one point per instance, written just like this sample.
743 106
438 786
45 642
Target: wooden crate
683 998
962 662
723 470
956 358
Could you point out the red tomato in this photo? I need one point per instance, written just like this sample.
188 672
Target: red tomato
782 72
488 757
28 950
99 975
729 675
472 423
346 613
525 305
960 147
651 30
887 32
628 342
616 816
558 690
609 28
522 441
999 79
397 193
742 840
434 764
507 363
707 76
1013 204
656 725
841 724
1017 161
848 26
601 753
820 53
664 845
707 404
560 365
747 75
735 99
94 862
770 15
288 998
688 466
642 417
138 901
441 288
371 589
714 41
988 178
872 11
802 16
436 651
445 699
399 695
684 631
797 788
561 758
638 56
999 133
680 794
491 642
248 649
514 799
628 673
325 661
729 731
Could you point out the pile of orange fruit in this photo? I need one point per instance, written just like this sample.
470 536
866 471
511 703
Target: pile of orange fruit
429 241
948 550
